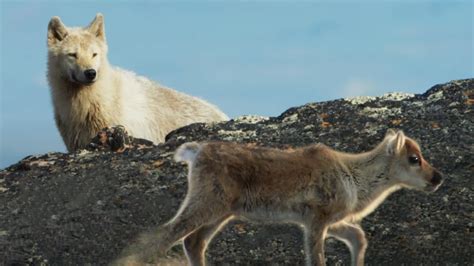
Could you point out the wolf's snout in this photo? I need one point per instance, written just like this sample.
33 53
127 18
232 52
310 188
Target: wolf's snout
437 178
90 74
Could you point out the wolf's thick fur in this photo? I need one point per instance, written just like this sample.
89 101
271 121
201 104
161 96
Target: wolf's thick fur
326 191
89 94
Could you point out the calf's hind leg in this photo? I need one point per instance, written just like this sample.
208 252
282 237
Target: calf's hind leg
193 214
195 244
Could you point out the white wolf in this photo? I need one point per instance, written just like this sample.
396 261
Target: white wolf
89 94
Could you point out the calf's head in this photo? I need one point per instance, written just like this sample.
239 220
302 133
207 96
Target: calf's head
408 167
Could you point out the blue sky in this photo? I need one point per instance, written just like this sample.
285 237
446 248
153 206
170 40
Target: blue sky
246 57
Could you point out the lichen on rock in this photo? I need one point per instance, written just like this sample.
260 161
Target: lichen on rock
85 207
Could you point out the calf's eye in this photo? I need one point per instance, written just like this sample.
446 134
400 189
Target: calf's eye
94 54
72 55
413 159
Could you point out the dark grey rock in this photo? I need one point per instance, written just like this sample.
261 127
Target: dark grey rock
85 207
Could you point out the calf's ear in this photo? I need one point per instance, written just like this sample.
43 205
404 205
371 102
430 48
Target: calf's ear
395 143
390 132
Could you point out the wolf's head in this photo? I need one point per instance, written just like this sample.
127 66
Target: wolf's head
408 167
77 54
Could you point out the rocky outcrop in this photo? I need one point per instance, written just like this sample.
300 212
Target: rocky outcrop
84 207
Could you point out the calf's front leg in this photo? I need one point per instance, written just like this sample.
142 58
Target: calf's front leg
314 245
354 237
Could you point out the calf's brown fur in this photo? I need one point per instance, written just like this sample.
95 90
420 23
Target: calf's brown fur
325 191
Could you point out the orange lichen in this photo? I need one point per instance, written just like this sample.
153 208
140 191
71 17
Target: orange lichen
158 163
324 115
396 122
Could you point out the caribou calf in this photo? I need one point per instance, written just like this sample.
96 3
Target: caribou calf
325 191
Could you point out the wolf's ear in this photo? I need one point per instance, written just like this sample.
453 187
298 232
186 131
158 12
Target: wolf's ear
395 143
97 27
56 31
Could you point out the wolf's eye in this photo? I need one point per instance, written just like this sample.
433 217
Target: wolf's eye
94 54
413 159
72 55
